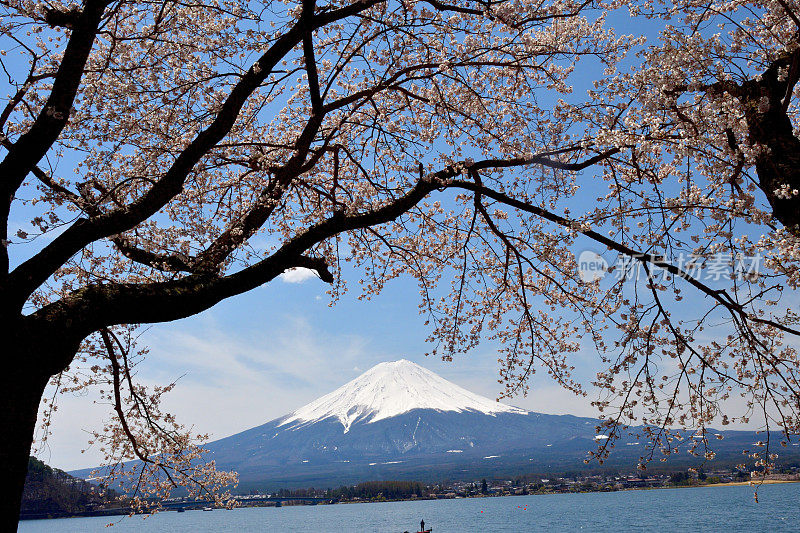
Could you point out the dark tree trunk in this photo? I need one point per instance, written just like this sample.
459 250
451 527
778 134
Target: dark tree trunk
21 387
769 125
780 166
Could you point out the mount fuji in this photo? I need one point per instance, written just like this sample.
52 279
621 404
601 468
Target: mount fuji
391 389
400 420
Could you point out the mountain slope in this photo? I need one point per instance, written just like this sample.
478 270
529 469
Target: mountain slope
419 443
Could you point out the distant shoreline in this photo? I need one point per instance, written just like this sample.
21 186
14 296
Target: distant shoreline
754 484
751 483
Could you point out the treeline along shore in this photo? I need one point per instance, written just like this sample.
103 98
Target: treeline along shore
51 493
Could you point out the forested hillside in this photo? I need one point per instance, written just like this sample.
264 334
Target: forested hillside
50 492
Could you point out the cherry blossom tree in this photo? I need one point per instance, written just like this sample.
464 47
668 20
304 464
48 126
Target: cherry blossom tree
170 155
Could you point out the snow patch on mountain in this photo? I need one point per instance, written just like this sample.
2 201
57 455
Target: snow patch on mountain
390 389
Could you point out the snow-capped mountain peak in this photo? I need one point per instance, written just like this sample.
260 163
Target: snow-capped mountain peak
390 389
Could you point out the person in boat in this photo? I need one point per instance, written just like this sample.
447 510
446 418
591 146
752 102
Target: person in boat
421 528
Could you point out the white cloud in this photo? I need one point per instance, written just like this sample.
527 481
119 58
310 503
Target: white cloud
298 275
258 375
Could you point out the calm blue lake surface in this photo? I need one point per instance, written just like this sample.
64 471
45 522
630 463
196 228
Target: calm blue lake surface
698 509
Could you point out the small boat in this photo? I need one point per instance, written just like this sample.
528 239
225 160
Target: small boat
208 508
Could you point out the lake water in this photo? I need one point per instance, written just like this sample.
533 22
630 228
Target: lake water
725 509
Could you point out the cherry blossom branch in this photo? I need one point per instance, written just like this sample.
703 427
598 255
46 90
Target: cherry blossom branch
306 19
184 473
123 419
103 305
31 146
790 12
721 296
33 272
